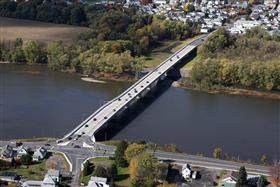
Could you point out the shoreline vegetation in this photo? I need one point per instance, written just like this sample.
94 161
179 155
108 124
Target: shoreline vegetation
184 84
233 91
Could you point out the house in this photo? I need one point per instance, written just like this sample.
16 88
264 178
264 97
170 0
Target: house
32 184
160 2
97 182
9 176
49 182
7 152
54 174
52 179
186 171
22 151
39 154
230 179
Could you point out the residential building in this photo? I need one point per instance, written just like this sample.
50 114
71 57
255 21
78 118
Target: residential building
52 179
97 182
186 171
8 152
230 179
39 154
9 176
22 151
54 174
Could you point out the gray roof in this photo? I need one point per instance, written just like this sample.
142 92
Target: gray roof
98 179
7 151
53 172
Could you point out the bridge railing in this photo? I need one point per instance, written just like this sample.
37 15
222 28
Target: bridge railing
129 89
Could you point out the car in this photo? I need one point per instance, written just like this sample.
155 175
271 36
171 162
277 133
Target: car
47 144
77 146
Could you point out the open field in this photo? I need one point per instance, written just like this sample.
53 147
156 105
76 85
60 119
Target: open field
10 29
163 51
122 178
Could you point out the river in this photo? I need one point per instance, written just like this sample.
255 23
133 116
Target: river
37 102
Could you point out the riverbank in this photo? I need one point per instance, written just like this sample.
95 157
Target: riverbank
231 91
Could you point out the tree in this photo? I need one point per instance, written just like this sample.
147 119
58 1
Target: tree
33 53
100 172
88 168
242 177
144 170
26 159
119 154
263 159
112 172
274 174
189 7
134 150
217 153
77 16
262 182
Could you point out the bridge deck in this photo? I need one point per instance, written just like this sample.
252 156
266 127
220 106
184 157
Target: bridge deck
108 110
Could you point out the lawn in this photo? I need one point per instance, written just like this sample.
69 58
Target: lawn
123 173
38 31
190 64
111 142
163 51
35 171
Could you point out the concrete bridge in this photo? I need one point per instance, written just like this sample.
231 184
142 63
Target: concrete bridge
100 118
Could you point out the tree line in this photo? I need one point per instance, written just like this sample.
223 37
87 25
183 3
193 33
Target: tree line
44 10
107 23
69 57
251 60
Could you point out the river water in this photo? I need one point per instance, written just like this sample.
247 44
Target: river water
36 102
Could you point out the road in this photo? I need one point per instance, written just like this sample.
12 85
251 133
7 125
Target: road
79 154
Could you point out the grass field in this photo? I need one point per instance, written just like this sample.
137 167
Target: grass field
163 51
10 29
122 178
35 171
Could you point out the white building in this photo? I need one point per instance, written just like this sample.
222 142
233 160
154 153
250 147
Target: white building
97 182
186 171
52 179
22 151
39 154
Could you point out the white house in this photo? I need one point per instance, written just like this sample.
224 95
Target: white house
49 182
8 152
22 151
97 182
54 174
52 179
230 179
39 154
160 2
186 171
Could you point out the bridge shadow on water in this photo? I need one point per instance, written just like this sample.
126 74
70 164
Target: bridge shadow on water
120 121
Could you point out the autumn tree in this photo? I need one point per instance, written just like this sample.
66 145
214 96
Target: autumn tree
133 150
144 170
217 153
275 174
